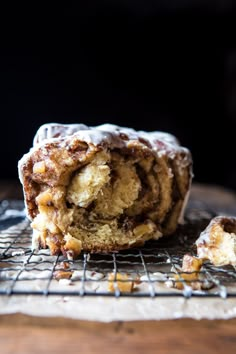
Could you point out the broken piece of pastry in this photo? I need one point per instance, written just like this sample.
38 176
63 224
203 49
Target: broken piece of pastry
103 188
217 242
189 273
121 282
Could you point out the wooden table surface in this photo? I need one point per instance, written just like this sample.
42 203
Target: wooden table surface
24 334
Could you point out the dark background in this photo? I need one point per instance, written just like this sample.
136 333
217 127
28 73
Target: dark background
151 65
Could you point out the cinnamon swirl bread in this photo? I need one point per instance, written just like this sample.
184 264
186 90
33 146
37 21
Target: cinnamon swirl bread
103 188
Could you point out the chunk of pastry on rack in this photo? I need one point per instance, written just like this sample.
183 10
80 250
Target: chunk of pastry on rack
103 188
217 243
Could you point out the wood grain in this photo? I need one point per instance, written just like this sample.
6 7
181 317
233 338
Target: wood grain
23 334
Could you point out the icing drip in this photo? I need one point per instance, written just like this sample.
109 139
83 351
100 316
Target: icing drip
109 134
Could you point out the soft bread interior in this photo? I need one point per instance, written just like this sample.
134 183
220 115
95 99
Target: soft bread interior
106 204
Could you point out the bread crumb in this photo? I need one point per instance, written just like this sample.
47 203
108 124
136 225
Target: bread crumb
60 274
121 282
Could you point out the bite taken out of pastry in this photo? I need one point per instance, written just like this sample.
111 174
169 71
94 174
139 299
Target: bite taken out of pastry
103 188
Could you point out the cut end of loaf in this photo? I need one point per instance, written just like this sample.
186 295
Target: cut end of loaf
104 196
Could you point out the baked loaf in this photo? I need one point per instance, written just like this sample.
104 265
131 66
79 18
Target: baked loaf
103 188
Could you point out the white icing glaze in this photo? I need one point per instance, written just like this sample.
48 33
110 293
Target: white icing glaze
27 275
65 282
157 276
109 135
89 275
169 283
53 130
18 253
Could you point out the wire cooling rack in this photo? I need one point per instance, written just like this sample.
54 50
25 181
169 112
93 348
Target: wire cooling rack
151 269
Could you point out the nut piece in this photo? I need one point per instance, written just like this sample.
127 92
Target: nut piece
123 282
218 241
44 198
39 167
60 274
191 267
191 263
143 229
72 247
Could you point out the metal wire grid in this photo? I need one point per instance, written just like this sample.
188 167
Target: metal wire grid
26 272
